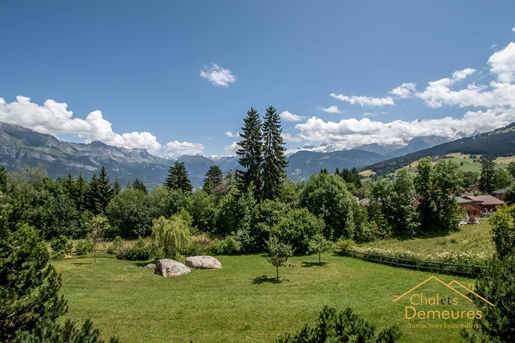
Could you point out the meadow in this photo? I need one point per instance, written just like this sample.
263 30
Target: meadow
241 302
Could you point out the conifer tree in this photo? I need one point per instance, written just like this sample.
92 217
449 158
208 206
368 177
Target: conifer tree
250 153
91 196
274 160
105 191
177 178
140 186
213 180
486 179
29 285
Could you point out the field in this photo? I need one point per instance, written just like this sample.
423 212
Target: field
471 239
239 303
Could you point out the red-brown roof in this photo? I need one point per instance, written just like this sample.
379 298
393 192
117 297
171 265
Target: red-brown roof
486 199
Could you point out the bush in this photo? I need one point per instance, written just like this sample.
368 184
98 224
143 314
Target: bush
61 246
116 246
341 327
225 247
134 254
84 246
343 244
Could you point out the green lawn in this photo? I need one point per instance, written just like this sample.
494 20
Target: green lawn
236 304
471 239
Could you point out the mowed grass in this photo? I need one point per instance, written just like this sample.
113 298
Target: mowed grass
475 238
237 303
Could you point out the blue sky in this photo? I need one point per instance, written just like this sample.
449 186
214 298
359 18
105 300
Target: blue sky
177 77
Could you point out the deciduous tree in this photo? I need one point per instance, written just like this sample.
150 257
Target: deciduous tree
278 253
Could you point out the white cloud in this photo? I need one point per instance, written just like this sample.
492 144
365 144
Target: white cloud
502 63
233 147
349 133
495 95
232 135
54 118
184 148
406 90
218 75
289 138
369 114
513 29
331 109
364 100
290 117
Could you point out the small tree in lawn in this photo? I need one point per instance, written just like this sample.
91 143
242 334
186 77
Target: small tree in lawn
98 225
319 244
278 253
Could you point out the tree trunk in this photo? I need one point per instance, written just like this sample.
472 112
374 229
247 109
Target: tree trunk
277 271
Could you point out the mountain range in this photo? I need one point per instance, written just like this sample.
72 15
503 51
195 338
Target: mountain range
19 145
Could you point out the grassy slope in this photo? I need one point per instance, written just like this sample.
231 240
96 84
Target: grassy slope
471 238
226 306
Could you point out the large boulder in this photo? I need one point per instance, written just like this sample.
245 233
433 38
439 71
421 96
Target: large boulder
167 267
203 262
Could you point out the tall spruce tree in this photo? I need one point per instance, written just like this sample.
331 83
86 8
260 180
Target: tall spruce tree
177 178
486 179
213 181
104 192
274 160
250 153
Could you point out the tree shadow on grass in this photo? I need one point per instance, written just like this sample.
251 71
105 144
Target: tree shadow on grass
263 278
313 264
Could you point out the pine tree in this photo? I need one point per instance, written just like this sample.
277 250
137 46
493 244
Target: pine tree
105 191
486 179
140 186
29 285
250 154
213 181
274 160
91 196
117 187
178 178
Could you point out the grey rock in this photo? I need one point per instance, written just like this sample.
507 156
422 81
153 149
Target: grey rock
150 265
167 267
203 262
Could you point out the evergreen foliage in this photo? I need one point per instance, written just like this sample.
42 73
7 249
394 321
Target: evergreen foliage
274 159
486 178
139 186
29 285
342 327
48 331
213 181
250 154
177 178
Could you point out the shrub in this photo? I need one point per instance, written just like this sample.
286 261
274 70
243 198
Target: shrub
341 327
61 246
227 246
116 246
134 254
84 246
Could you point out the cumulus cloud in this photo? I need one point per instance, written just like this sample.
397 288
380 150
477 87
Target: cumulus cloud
364 100
502 63
218 75
406 90
331 109
289 138
513 29
232 135
349 133
54 118
290 117
233 147
494 95
184 148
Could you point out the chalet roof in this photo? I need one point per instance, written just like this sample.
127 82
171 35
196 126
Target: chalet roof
485 199
461 200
